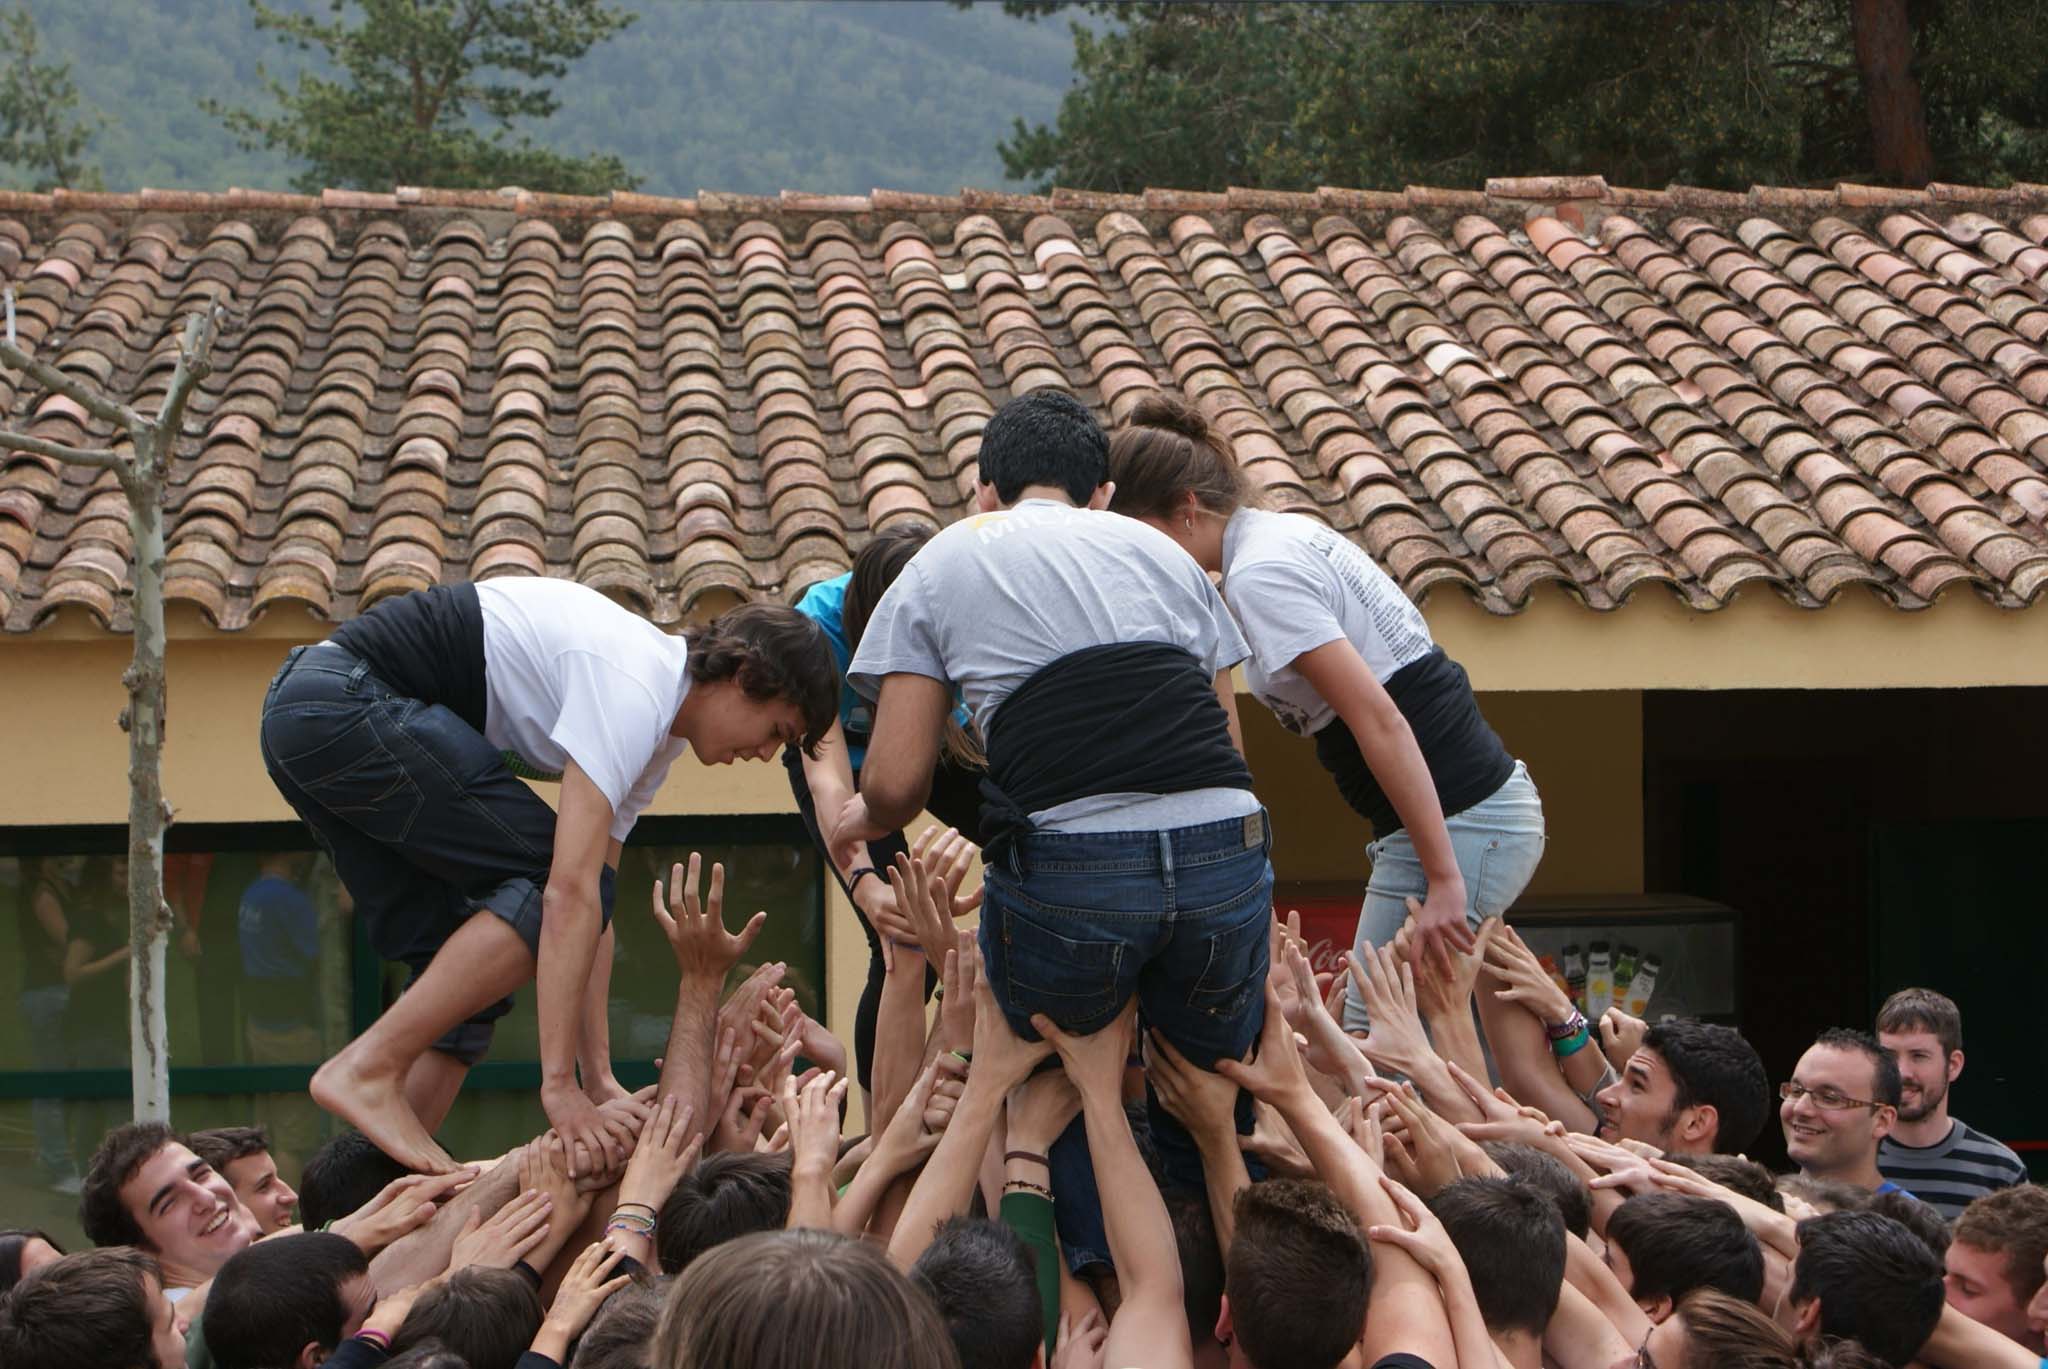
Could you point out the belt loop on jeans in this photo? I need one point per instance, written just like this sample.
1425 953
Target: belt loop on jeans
1166 868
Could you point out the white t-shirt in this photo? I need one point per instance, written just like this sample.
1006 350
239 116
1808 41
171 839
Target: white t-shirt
1294 585
573 676
994 598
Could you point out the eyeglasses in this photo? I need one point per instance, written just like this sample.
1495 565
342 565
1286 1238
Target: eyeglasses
1643 1360
1827 1098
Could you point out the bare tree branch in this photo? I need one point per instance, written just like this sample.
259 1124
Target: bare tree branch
51 378
57 451
195 363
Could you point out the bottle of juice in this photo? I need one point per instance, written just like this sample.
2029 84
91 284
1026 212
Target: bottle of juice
1575 975
1625 960
1642 986
1550 967
1599 980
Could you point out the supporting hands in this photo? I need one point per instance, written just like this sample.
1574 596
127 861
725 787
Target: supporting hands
1203 1101
668 1149
400 1207
513 1232
590 1280
1307 1011
1528 983
1440 921
1386 986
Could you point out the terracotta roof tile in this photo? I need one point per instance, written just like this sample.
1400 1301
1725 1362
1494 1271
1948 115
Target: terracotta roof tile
687 402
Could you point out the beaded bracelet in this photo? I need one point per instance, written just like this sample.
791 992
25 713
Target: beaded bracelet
631 1223
1040 1189
1567 1029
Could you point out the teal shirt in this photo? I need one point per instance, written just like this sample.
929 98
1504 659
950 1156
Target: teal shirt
825 604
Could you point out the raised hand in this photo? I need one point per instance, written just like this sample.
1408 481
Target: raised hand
1329 1050
1386 987
668 1149
590 1280
1273 1072
696 933
401 1207
513 1232
812 1115
959 977
1094 1062
1444 981
1495 1105
1002 1057
1081 1343
1203 1101
740 1124
1621 1036
1528 983
949 855
917 899
1429 1148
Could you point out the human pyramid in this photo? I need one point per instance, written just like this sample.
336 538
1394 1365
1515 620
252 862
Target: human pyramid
1124 1124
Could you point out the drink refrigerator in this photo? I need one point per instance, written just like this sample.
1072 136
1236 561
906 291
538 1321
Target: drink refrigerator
1691 941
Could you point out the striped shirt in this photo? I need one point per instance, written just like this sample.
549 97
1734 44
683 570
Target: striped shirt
1949 1175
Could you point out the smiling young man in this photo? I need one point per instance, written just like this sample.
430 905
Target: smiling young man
241 1155
1941 1160
1691 1088
1841 1101
145 1188
405 740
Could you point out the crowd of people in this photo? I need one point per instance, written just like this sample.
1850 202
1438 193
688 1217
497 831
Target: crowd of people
1123 1123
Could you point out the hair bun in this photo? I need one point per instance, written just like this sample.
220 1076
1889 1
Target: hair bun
1160 410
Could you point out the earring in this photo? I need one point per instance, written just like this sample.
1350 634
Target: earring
1191 523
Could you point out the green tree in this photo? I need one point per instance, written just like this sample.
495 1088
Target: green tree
41 129
1710 92
427 92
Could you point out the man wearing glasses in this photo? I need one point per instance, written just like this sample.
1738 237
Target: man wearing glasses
1839 1103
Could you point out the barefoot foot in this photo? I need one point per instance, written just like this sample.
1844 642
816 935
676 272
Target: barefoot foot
373 1101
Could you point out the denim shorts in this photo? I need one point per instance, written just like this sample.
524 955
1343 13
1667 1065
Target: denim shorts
1498 842
422 818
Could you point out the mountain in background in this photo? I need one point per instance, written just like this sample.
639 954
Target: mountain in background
747 96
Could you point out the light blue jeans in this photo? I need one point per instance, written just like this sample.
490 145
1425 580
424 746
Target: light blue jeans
1498 842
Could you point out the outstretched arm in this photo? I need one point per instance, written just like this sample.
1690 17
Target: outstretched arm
571 919
910 721
705 953
1151 1327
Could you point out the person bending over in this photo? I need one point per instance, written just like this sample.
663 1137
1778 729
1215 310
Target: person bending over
1339 653
404 741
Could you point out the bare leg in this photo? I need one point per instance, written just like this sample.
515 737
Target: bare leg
365 1084
431 1085
594 1031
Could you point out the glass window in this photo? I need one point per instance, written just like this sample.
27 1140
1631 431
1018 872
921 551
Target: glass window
267 975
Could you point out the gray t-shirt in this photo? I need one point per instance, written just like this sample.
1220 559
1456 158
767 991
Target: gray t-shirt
996 597
1294 585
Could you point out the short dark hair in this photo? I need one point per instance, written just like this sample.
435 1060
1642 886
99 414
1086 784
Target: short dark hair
275 1297
222 1146
1201 1260
343 1174
1917 1217
1046 437
2013 1222
13 1245
106 1219
1736 1173
1927 1011
1676 1243
621 1333
1284 1229
1544 1172
727 1195
1715 1065
91 1308
771 652
1886 1086
1512 1240
1876 1281
487 1316
1832 1194
981 1277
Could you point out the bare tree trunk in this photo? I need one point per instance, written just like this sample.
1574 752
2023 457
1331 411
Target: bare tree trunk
142 480
1891 92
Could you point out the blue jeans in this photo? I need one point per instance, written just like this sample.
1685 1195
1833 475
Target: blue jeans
1498 842
422 818
1074 924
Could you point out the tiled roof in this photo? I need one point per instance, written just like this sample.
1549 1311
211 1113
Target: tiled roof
1546 382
